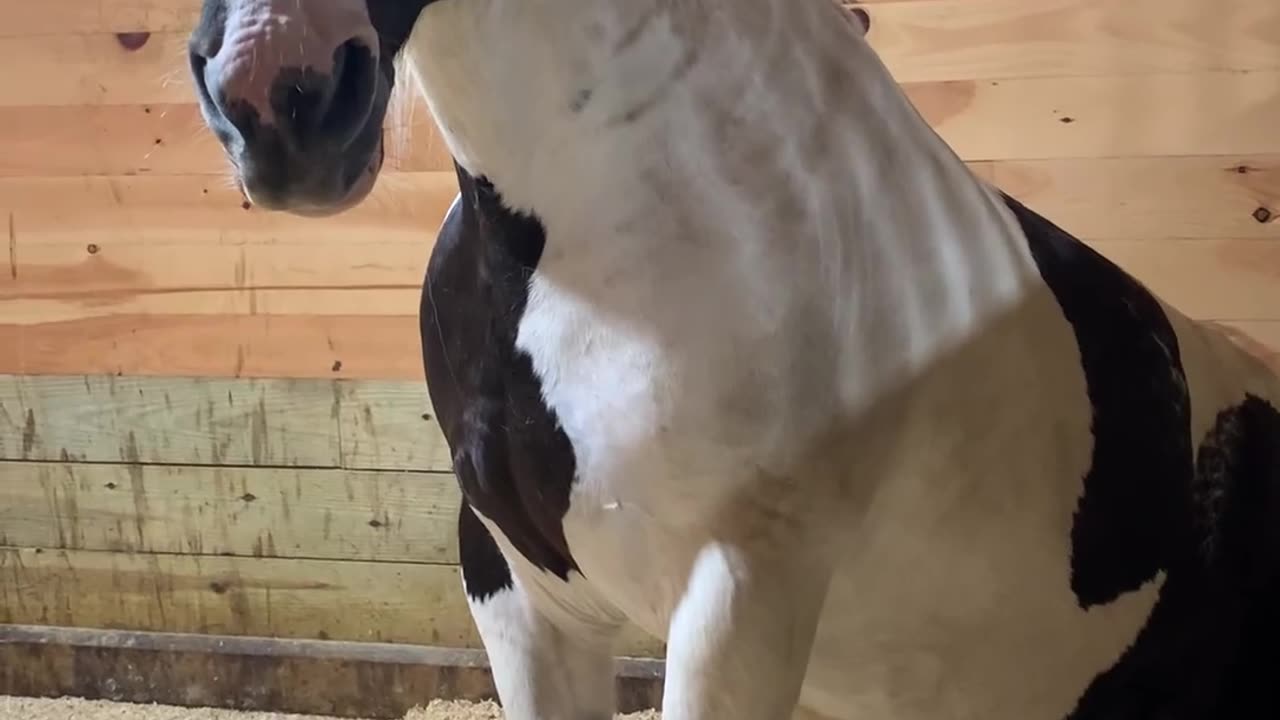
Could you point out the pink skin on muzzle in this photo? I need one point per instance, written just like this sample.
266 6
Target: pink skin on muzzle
263 39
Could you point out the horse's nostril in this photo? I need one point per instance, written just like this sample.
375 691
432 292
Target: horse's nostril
352 93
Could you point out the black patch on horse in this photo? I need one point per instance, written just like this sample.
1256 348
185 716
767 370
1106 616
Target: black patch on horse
513 461
1134 500
484 571
1211 649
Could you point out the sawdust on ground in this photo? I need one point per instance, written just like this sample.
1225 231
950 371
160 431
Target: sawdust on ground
13 708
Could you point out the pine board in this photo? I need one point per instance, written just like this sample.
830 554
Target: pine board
371 347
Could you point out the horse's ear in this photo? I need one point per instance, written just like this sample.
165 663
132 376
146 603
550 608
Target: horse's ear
860 17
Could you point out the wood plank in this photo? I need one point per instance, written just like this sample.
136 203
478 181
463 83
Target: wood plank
260 512
76 16
94 69
1111 116
49 17
304 347
1180 197
288 598
1149 114
921 41
192 210
171 139
1187 197
366 347
939 40
108 273
178 421
246 301
391 426
333 678
1186 114
1215 279
285 598
1260 337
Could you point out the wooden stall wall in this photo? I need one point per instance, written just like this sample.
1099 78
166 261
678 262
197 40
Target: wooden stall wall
213 420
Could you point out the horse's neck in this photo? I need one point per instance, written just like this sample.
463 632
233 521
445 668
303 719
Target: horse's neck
516 82
769 127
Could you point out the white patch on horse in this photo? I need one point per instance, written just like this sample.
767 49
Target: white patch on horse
829 422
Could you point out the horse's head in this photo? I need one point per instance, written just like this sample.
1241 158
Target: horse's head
297 90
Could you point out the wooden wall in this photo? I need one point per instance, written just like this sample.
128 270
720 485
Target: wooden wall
212 419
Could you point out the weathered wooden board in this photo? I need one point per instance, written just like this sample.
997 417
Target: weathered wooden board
248 512
289 598
376 347
391 426
333 678
280 422
390 602
268 422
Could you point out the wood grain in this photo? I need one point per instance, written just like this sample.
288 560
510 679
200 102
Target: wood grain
49 17
391 426
939 40
289 598
170 139
1175 115
246 512
1209 197
105 273
403 207
280 422
285 598
1081 116
368 347
313 677
1259 337
272 422
1207 279
922 40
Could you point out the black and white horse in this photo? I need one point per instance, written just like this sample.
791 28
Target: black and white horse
727 343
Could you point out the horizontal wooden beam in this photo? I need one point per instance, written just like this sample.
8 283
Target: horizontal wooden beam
919 39
246 512
343 679
357 425
171 139
404 603
1044 117
367 347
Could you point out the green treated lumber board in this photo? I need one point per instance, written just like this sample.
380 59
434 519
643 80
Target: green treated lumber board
388 425
169 420
293 598
263 512
355 424
272 597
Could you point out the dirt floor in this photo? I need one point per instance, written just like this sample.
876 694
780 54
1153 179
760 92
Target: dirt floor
12 708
